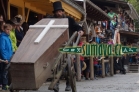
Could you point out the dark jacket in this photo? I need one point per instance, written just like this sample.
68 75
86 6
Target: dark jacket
73 26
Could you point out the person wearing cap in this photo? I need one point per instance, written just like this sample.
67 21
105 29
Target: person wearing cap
12 34
73 26
19 30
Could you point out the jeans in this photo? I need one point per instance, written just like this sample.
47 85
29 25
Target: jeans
123 24
106 67
3 74
113 32
97 69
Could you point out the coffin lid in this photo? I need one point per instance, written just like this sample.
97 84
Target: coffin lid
30 52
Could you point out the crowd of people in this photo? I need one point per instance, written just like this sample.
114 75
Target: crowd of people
12 33
105 32
106 29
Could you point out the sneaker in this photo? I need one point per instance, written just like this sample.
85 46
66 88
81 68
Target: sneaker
0 87
5 87
86 78
56 87
96 78
68 88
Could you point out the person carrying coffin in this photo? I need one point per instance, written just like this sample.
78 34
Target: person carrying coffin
73 26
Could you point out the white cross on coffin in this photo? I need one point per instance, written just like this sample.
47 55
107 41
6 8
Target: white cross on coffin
46 28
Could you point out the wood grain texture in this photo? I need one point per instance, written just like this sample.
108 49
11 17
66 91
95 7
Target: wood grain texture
27 65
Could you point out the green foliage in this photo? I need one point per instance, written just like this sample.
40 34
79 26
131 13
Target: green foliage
135 3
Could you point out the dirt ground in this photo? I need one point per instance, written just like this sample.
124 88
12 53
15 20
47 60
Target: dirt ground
117 83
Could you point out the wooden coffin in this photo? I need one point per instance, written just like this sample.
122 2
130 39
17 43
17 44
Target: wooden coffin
31 65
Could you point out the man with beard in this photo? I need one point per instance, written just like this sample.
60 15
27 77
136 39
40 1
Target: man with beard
73 26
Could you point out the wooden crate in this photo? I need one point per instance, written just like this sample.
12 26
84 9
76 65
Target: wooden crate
28 70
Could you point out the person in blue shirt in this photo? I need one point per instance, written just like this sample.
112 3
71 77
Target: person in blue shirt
6 53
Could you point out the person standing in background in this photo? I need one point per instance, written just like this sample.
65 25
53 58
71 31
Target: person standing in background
6 53
12 34
25 27
19 30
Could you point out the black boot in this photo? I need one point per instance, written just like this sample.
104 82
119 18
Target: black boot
56 88
124 71
68 87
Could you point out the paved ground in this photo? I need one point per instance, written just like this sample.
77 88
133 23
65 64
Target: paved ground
117 83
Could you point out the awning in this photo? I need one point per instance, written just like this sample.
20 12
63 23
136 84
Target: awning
129 34
94 12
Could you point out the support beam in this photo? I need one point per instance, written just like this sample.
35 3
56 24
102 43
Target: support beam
111 66
103 68
27 15
91 68
8 11
3 8
78 66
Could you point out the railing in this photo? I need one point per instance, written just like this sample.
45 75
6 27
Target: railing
61 62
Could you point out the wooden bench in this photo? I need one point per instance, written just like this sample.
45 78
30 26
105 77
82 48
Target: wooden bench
110 60
134 68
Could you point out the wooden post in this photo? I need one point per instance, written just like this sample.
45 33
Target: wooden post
103 68
91 68
111 66
27 15
3 4
78 66
8 10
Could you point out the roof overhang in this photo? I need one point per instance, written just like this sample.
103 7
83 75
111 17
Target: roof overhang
70 7
94 12
132 12
112 3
